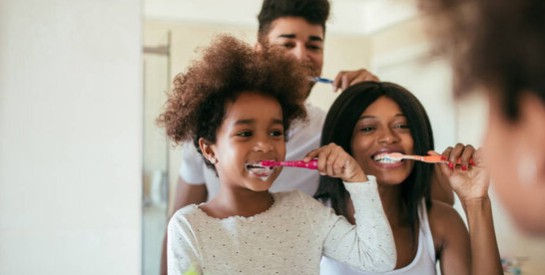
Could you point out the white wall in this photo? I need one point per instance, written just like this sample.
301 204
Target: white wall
70 137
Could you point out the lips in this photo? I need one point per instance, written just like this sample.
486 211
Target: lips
259 171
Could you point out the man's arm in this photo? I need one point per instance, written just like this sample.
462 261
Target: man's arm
185 194
344 79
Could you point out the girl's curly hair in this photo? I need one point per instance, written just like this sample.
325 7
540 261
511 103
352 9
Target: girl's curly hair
196 106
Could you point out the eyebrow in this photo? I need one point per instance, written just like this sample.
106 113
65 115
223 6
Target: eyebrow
252 121
292 36
367 117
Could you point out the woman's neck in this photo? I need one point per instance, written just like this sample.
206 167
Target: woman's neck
390 196
240 202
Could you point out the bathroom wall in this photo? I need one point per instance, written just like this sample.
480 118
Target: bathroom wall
70 137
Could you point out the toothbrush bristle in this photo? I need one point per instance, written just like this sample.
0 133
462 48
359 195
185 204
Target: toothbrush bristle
394 156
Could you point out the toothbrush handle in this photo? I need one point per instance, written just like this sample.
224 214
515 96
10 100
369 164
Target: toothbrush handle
312 164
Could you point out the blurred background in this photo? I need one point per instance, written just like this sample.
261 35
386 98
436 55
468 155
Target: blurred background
87 179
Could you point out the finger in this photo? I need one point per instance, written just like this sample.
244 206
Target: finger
336 161
340 164
345 82
478 158
456 154
337 82
466 156
446 155
312 154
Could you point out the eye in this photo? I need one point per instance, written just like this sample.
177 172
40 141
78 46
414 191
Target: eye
315 48
367 129
277 133
286 45
403 126
244 134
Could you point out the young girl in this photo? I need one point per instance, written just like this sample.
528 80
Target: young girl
374 118
236 104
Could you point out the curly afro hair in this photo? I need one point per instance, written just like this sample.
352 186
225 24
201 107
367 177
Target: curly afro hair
314 11
196 106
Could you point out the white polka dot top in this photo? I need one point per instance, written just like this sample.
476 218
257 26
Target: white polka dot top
289 238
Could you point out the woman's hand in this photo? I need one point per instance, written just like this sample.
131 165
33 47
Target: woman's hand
469 179
333 161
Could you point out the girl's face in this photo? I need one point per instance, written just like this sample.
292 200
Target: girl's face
382 128
251 131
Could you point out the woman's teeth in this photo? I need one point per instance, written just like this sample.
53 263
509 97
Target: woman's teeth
383 158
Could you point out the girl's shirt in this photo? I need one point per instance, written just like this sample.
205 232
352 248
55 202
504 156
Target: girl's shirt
289 238
423 263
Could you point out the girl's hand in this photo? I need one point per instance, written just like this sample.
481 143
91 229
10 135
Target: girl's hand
469 179
333 161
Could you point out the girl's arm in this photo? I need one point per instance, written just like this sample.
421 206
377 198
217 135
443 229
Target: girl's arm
470 182
369 245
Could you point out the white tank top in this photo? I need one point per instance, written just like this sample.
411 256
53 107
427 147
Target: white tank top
422 264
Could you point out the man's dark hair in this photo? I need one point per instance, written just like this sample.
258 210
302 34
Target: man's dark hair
313 11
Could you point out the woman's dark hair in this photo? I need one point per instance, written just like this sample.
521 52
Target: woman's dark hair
313 11
196 106
498 43
339 126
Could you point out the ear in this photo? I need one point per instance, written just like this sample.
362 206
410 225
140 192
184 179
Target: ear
207 149
531 122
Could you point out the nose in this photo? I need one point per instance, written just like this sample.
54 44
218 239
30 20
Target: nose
388 136
300 52
263 144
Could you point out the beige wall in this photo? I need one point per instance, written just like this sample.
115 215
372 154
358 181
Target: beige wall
70 137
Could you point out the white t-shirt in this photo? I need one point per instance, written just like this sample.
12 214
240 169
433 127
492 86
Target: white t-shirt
288 238
422 264
303 137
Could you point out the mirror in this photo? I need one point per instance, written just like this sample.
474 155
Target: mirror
157 81
385 36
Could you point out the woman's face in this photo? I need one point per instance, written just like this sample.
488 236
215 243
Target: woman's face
382 128
251 131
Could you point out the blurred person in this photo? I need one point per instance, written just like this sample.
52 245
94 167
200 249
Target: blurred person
498 48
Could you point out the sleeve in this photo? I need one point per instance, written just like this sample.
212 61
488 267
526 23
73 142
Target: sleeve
191 166
183 256
369 245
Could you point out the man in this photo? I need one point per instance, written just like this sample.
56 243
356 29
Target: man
298 28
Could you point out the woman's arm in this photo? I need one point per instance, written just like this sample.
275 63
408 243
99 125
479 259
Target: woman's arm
484 249
470 182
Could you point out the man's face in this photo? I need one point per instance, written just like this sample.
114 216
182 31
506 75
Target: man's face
300 39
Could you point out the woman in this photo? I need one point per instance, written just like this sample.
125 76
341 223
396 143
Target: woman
371 119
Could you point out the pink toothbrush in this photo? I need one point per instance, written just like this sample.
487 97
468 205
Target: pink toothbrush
312 164
428 159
